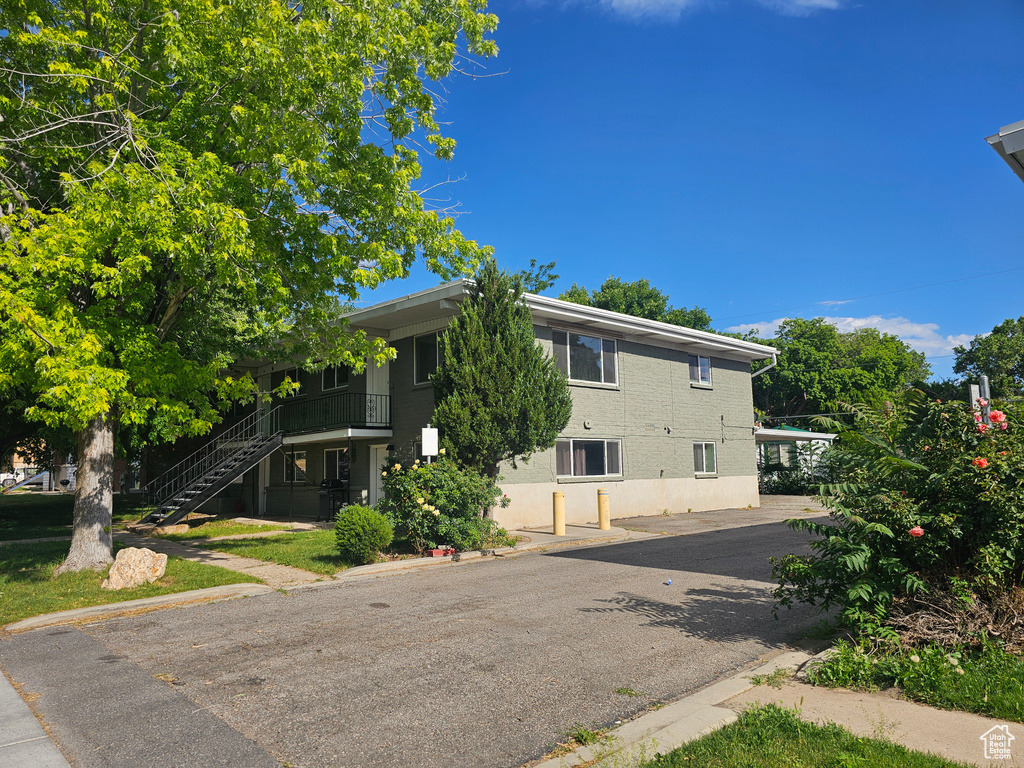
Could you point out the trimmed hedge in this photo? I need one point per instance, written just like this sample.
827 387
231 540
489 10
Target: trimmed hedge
362 532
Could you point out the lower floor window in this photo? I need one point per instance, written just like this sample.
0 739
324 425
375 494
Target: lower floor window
704 458
295 466
586 458
336 464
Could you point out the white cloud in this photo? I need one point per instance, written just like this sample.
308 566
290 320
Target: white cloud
924 337
803 7
834 303
674 8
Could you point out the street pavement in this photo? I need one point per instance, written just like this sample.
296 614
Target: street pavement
487 663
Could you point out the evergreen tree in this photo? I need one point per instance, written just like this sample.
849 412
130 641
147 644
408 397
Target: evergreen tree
499 396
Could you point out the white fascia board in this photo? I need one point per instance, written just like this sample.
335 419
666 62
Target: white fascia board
650 330
441 293
336 434
789 436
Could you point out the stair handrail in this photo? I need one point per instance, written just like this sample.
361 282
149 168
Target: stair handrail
262 424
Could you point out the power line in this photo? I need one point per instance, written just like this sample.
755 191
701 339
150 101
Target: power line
872 295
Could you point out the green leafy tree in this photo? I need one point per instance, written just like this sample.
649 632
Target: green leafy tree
639 299
538 277
819 367
998 355
185 184
498 396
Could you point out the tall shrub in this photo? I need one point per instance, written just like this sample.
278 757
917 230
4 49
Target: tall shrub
927 497
499 396
439 503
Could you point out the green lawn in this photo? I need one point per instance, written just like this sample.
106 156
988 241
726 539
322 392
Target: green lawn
38 515
772 737
28 587
314 551
221 528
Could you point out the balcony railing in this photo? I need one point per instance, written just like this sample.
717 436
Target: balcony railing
345 409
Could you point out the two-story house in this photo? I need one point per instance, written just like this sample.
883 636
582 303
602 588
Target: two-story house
662 416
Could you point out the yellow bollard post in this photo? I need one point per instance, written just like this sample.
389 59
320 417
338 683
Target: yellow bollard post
558 509
604 516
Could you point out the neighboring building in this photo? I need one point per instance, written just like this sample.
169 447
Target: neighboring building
777 447
662 416
1009 143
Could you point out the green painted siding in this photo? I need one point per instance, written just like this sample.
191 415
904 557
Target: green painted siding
658 415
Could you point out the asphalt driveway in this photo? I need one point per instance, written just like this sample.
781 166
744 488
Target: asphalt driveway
486 663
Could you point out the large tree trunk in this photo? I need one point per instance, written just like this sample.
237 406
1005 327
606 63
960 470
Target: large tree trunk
91 546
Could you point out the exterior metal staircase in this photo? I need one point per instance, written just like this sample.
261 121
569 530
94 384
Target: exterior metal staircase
195 480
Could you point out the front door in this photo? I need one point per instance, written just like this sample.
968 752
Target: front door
378 456
378 382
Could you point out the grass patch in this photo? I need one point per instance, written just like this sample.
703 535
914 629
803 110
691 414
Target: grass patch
221 528
774 680
627 692
988 681
28 587
314 551
42 515
772 737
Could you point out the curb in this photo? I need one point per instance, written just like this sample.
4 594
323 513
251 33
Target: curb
671 726
110 610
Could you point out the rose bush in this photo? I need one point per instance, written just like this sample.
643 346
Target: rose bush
440 503
921 467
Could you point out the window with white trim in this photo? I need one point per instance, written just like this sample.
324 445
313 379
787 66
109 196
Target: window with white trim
588 458
295 471
334 377
700 370
586 358
704 462
425 355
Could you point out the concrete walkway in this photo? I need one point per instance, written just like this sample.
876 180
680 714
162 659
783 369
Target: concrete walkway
23 740
952 735
272 574
955 736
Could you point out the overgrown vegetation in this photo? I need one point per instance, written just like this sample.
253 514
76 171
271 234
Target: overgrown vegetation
441 503
772 737
28 586
361 533
987 680
929 499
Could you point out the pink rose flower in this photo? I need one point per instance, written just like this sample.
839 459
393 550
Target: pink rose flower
982 428
982 402
980 463
917 531
996 416
1003 425
977 417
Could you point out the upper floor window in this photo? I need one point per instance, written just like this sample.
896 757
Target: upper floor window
426 357
586 458
700 369
585 358
335 377
297 376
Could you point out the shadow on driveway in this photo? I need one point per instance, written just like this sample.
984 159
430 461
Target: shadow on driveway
741 553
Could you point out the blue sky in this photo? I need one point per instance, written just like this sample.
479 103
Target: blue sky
760 158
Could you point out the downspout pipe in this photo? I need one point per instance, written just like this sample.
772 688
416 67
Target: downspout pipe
772 364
